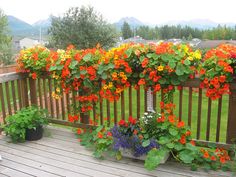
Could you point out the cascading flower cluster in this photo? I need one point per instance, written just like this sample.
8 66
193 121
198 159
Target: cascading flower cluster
167 65
217 70
35 60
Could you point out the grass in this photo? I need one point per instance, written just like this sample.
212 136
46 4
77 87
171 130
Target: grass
185 107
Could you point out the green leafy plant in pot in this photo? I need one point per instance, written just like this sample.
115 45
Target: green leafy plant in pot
26 124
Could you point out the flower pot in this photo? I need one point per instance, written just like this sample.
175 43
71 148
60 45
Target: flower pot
127 153
34 134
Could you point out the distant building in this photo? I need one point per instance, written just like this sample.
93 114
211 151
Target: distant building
206 44
27 42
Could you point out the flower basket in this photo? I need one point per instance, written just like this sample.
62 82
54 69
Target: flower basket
128 153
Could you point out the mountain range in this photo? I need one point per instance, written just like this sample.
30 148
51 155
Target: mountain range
20 28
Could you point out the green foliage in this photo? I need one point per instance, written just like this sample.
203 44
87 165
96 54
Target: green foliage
126 31
82 27
98 140
26 118
5 41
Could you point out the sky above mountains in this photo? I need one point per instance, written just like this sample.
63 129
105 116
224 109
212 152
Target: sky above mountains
148 11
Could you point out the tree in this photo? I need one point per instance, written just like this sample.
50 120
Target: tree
126 31
5 41
82 27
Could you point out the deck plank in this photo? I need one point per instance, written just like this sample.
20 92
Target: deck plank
5 171
60 153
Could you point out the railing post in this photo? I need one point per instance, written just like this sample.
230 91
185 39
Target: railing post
33 92
231 127
84 117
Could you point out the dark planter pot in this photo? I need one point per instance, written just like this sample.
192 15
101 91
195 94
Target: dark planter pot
34 134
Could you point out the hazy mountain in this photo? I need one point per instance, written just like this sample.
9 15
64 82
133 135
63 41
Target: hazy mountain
133 22
198 23
18 26
21 28
46 23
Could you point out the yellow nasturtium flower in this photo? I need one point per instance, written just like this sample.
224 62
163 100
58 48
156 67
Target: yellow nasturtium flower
110 85
105 87
58 90
197 54
190 58
160 68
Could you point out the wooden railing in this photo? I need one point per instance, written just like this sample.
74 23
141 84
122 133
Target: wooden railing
213 121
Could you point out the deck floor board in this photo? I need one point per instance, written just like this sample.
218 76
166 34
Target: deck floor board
59 154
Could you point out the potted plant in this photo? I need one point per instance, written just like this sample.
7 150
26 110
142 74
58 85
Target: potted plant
26 124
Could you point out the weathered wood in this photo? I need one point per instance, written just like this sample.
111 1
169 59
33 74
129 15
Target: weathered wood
57 103
6 77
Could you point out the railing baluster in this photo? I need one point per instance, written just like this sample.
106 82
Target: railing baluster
208 119
145 100
115 112
130 101
45 94
14 95
2 102
19 93
180 103
63 106
122 106
199 113
108 113
101 111
50 97
190 106
40 93
138 102
57 103
8 98
218 119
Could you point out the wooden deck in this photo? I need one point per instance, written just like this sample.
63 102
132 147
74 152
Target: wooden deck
59 154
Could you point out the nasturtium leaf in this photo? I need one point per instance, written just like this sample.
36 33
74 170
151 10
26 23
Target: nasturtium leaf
146 143
87 57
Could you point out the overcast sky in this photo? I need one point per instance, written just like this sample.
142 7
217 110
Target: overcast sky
148 11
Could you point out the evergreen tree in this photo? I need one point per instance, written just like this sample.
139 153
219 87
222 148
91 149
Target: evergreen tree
82 27
126 31
5 41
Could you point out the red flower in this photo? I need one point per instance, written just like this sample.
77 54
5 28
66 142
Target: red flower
79 131
213 158
222 160
206 155
100 135
121 122
180 124
132 121
141 82
34 76
182 139
109 134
